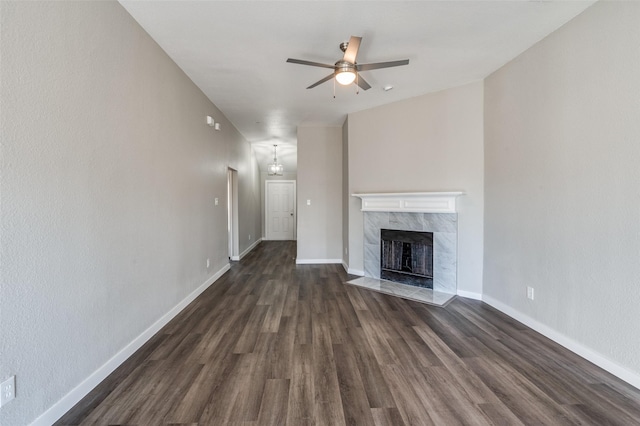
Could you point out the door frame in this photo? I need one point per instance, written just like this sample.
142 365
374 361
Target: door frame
232 214
266 206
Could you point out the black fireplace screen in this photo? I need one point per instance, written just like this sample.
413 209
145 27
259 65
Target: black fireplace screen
407 257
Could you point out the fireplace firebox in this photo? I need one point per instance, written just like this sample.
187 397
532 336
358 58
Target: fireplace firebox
407 257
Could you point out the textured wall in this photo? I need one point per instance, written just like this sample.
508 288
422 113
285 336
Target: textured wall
249 194
319 180
428 143
562 195
108 179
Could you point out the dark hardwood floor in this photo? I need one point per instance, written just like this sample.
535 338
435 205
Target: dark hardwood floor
272 343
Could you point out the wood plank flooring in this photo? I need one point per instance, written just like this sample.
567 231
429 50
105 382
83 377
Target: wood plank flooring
272 343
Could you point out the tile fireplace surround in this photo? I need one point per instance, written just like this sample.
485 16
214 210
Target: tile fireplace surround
428 212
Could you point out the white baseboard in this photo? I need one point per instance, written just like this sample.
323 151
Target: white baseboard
317 261
469 294
246 252
58 409
251 247
587 353
355 272
352 271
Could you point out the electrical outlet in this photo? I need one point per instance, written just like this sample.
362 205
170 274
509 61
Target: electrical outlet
208 262
530 294
346 250
7 390
249 237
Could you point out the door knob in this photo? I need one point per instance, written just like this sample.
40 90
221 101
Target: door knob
291 214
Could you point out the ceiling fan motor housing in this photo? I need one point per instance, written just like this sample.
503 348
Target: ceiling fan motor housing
344 66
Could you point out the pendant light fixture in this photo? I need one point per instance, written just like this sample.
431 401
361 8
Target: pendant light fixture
275 169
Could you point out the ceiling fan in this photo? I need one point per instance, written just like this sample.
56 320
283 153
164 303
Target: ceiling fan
347 70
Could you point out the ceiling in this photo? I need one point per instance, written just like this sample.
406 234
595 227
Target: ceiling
236 52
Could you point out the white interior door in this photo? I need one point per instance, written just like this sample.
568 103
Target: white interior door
280 209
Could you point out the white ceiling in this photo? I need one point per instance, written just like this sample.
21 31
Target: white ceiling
235 51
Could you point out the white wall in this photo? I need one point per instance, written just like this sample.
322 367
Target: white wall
562 195
108 179
320 181
428 143
249 194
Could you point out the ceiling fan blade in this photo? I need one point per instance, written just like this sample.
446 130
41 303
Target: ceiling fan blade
317 83
378 65
313 64
362 83
352 50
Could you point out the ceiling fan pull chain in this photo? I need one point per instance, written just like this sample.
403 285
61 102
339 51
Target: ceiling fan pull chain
334 88
357 83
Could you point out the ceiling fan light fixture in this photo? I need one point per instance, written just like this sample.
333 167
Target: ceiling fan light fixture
345 77
345 73
346 70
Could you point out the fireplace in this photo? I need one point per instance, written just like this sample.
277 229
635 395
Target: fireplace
422 212
407 257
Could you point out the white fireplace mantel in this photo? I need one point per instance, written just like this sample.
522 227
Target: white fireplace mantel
410 202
